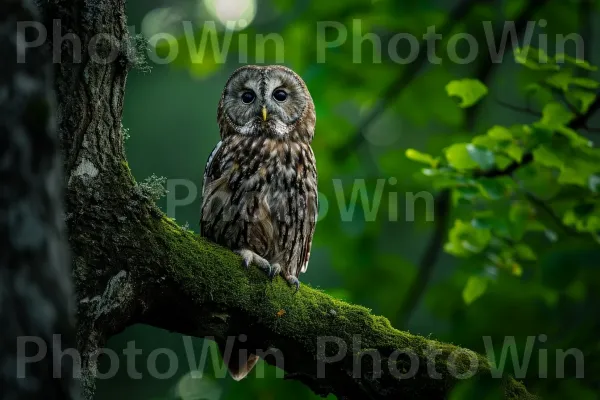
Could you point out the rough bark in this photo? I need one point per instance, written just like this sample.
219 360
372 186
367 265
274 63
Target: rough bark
36 295
134 265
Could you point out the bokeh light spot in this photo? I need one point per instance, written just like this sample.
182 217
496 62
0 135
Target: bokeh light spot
234 14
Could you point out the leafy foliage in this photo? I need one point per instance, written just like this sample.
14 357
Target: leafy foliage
487 170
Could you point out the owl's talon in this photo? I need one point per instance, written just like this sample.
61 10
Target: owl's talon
246 257
250 257
275 270
245 263
293 281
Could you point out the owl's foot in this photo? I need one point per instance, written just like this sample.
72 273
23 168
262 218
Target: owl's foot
275 270
250 257
293 281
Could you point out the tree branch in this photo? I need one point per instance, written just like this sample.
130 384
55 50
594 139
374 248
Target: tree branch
196 288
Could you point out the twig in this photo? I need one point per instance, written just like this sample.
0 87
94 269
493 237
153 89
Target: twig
579 122
524 110
508 171
582 119
550 212
562 98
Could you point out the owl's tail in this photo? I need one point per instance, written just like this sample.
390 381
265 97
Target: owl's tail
238 360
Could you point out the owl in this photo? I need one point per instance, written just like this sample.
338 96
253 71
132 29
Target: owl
259 196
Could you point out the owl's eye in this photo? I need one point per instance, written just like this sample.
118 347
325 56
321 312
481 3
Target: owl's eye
280 95
248 97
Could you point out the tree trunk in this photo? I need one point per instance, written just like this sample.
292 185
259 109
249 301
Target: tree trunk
36 296
132 264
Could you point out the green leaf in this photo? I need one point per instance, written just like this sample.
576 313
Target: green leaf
467 192
501 139
560 80
586 83
482 156
538 60
515 152
576 163
485 141
500 133
575 138
555 115
502 162
475 288
535 59
563 79
572 176
541 134
488 220
581 99
512 140
525 252
492 188
422 157
546 157
578 62
470 91
459 158
464 239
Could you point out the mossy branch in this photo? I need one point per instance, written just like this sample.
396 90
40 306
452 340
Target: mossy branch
209 285
170 278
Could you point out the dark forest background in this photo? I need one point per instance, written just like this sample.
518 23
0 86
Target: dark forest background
504 242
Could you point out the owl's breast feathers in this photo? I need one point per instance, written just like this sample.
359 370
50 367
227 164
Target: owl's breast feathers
261 193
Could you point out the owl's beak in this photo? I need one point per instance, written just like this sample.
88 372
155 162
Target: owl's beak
264 113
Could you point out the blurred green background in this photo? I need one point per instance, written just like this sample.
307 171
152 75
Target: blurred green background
488 280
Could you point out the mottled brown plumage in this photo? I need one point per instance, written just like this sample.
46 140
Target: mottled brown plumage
260 181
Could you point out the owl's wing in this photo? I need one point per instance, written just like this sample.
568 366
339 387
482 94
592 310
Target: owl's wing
309 226
209 170
211 183
310 218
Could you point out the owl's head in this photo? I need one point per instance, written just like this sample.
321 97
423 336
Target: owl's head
269 101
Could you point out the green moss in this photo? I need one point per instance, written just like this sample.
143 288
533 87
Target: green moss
126 172
210 274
